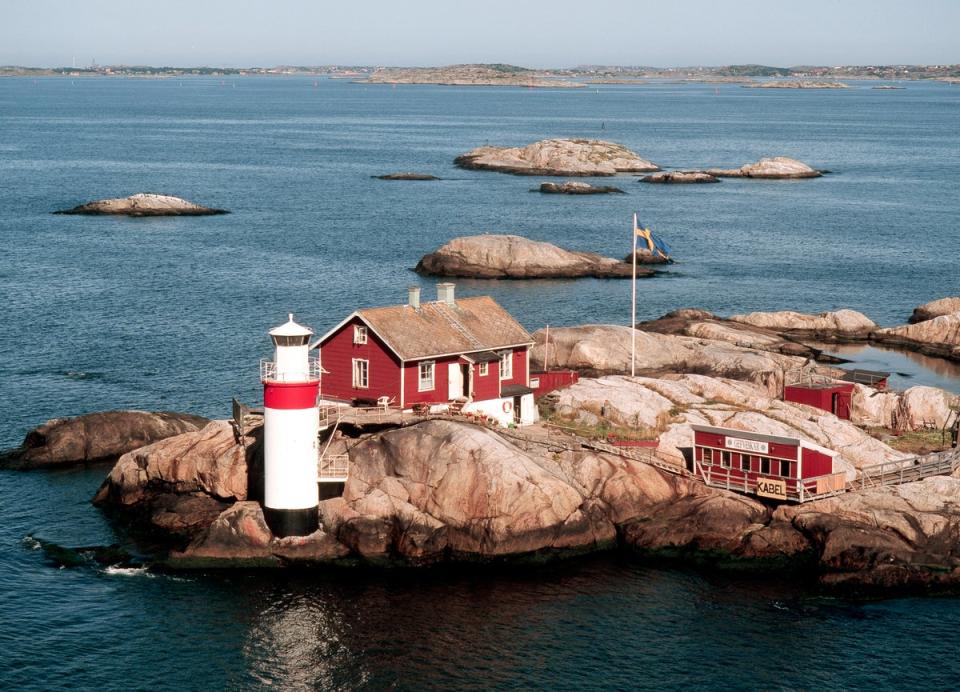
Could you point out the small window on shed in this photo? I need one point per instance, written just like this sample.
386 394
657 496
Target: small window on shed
785 469
484 369
725 459
764 465
744 462
706 456
359 334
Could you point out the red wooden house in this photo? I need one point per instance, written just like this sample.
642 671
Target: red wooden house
783 468
467 351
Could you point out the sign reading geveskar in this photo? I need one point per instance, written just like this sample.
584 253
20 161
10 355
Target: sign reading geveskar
746 445
772 487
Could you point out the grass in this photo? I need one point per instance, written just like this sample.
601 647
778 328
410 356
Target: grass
915 442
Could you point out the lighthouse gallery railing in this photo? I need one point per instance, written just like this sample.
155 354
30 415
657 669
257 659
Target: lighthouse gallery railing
268 372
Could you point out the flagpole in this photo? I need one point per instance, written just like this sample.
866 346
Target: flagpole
633 305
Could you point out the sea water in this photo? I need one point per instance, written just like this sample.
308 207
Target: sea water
172 314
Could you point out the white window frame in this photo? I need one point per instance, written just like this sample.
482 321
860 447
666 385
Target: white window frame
706 456
506 365
359 334
358 382
432 382
484 369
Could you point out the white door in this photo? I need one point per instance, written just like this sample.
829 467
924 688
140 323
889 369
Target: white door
455 381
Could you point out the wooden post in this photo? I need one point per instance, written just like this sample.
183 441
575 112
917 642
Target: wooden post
546 350
633 304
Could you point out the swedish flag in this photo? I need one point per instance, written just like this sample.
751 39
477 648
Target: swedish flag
654 243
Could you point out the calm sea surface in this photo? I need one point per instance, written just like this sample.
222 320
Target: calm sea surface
171 314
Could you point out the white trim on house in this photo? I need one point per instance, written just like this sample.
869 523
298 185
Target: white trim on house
357 370
433 376
508 355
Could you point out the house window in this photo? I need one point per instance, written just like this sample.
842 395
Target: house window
764 465
359 334
484 369
725 459
744 462
785 469
361 373
706 455
506 365
427 369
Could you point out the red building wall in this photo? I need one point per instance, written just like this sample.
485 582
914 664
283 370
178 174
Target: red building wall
822 398
816 463
441 382
337 354
552 380
486 387
519 368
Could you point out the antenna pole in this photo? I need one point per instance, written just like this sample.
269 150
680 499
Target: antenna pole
633 304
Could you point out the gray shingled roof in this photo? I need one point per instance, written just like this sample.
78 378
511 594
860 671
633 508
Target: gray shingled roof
437 329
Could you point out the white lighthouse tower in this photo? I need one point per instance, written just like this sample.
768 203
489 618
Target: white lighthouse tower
291 383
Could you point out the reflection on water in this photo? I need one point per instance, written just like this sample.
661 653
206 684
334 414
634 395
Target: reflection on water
908 369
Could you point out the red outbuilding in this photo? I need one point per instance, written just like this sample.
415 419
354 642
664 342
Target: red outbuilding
782 468
468 351
830 394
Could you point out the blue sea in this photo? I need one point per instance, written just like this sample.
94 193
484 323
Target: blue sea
105 313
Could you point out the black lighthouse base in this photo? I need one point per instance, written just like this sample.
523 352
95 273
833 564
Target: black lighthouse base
292 522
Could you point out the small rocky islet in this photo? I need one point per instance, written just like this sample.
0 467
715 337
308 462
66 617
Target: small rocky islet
577 188
143 204
496 256
406 176
558 157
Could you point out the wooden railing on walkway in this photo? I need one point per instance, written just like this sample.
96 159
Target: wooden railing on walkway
908 470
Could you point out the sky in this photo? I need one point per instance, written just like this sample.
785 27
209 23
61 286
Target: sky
556 33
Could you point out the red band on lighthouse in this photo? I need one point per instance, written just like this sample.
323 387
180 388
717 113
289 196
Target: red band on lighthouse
290 395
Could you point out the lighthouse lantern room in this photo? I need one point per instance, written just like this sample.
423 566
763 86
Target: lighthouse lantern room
291 384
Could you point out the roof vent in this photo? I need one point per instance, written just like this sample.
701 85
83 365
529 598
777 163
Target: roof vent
445 294
413 297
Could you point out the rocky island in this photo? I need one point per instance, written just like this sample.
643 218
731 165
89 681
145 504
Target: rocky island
574 188
429 490
492 256
143 204
680 178
778 167
96 438
406 176
469 75
560 157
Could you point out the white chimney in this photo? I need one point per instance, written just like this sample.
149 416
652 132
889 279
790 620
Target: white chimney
413 297
445 294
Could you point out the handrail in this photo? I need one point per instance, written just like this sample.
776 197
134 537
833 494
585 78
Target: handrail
268 372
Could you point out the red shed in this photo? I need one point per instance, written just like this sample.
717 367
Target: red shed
829 396
469 350
782 468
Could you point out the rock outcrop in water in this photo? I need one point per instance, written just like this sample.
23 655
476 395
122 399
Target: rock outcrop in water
938 336
96 437
680 178
846 324
143 204
442 490
566 157
935 308
515 257
604 349
571 188
406 176
778 167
